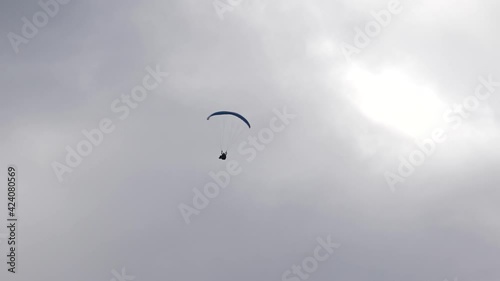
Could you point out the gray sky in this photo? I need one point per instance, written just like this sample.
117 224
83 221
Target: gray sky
324 175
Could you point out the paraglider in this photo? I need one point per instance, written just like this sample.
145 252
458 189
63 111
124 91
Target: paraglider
233 124
223 155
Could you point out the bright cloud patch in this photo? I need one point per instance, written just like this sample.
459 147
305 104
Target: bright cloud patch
394 100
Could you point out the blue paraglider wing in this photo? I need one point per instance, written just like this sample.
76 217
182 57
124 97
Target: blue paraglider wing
230 113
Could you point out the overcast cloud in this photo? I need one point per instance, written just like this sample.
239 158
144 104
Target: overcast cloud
366 108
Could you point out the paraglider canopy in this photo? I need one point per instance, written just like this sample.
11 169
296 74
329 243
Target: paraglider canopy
230 113
233 125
